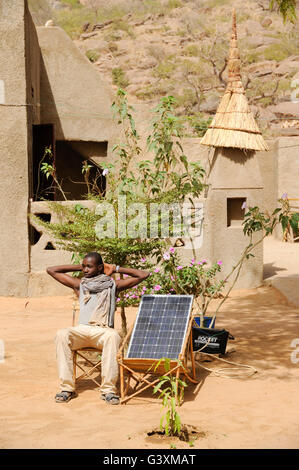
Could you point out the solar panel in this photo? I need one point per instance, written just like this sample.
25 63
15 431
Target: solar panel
160 326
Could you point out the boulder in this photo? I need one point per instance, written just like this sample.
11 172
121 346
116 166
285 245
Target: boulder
210 105
252 27
266 22
261 69
286 67
147 63
287 108
87 35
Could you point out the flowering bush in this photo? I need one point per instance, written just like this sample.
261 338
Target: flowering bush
171 277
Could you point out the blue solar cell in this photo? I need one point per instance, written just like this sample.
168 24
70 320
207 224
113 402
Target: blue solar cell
160 326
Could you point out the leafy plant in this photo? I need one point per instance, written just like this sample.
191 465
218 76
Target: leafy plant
92 55
287 9
119 77
171 395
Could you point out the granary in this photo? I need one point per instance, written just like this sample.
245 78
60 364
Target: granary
50 97
234 175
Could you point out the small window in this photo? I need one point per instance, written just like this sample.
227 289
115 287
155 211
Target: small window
235 211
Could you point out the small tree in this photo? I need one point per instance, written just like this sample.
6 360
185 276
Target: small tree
171 391
168 178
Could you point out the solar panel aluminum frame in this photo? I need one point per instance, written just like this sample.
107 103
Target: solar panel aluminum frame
137 316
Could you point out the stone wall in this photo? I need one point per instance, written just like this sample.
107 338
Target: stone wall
17 110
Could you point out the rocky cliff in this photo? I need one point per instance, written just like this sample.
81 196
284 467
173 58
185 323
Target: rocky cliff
152 48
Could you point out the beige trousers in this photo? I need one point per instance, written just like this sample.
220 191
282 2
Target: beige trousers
83 336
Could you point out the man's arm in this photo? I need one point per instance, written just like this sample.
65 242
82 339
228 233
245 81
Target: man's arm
137 276
59 273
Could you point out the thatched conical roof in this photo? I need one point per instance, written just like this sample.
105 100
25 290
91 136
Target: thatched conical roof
233 124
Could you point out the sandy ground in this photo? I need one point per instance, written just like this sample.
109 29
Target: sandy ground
261 411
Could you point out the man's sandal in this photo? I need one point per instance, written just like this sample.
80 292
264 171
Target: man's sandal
64 397
110 398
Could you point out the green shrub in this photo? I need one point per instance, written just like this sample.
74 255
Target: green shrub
187 100
112 47
72 20
119 77
252 57
276 52
92 55
165 69
191 51
120 25
174 4
72 3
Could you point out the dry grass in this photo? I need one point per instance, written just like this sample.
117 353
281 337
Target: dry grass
234 125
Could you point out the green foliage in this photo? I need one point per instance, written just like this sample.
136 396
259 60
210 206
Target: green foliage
121 25
169 177
276 52
173 391
92 55
192 50
72 20
287 9
170 277
187 100
252 57
198 124
119 77
154 90
174 4
165 69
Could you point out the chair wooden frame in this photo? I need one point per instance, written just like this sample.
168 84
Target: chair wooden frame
86 373
141 370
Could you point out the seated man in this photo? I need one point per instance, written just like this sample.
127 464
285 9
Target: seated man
97 292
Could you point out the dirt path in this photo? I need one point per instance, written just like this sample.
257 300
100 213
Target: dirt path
256 412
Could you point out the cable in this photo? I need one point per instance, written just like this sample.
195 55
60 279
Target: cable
219 372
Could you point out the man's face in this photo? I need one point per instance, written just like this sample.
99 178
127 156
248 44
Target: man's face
90 267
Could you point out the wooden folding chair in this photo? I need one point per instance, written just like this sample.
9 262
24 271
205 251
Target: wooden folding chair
88 360
145 371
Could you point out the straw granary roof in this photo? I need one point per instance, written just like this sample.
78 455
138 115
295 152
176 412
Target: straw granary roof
233 124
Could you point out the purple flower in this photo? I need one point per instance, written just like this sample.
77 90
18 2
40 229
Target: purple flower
143 260
166 256
192 261
219 263
172 250
118 299
244 205
200 263
134 296
172 278
179 267
157 287
204 261
157 270
284 196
